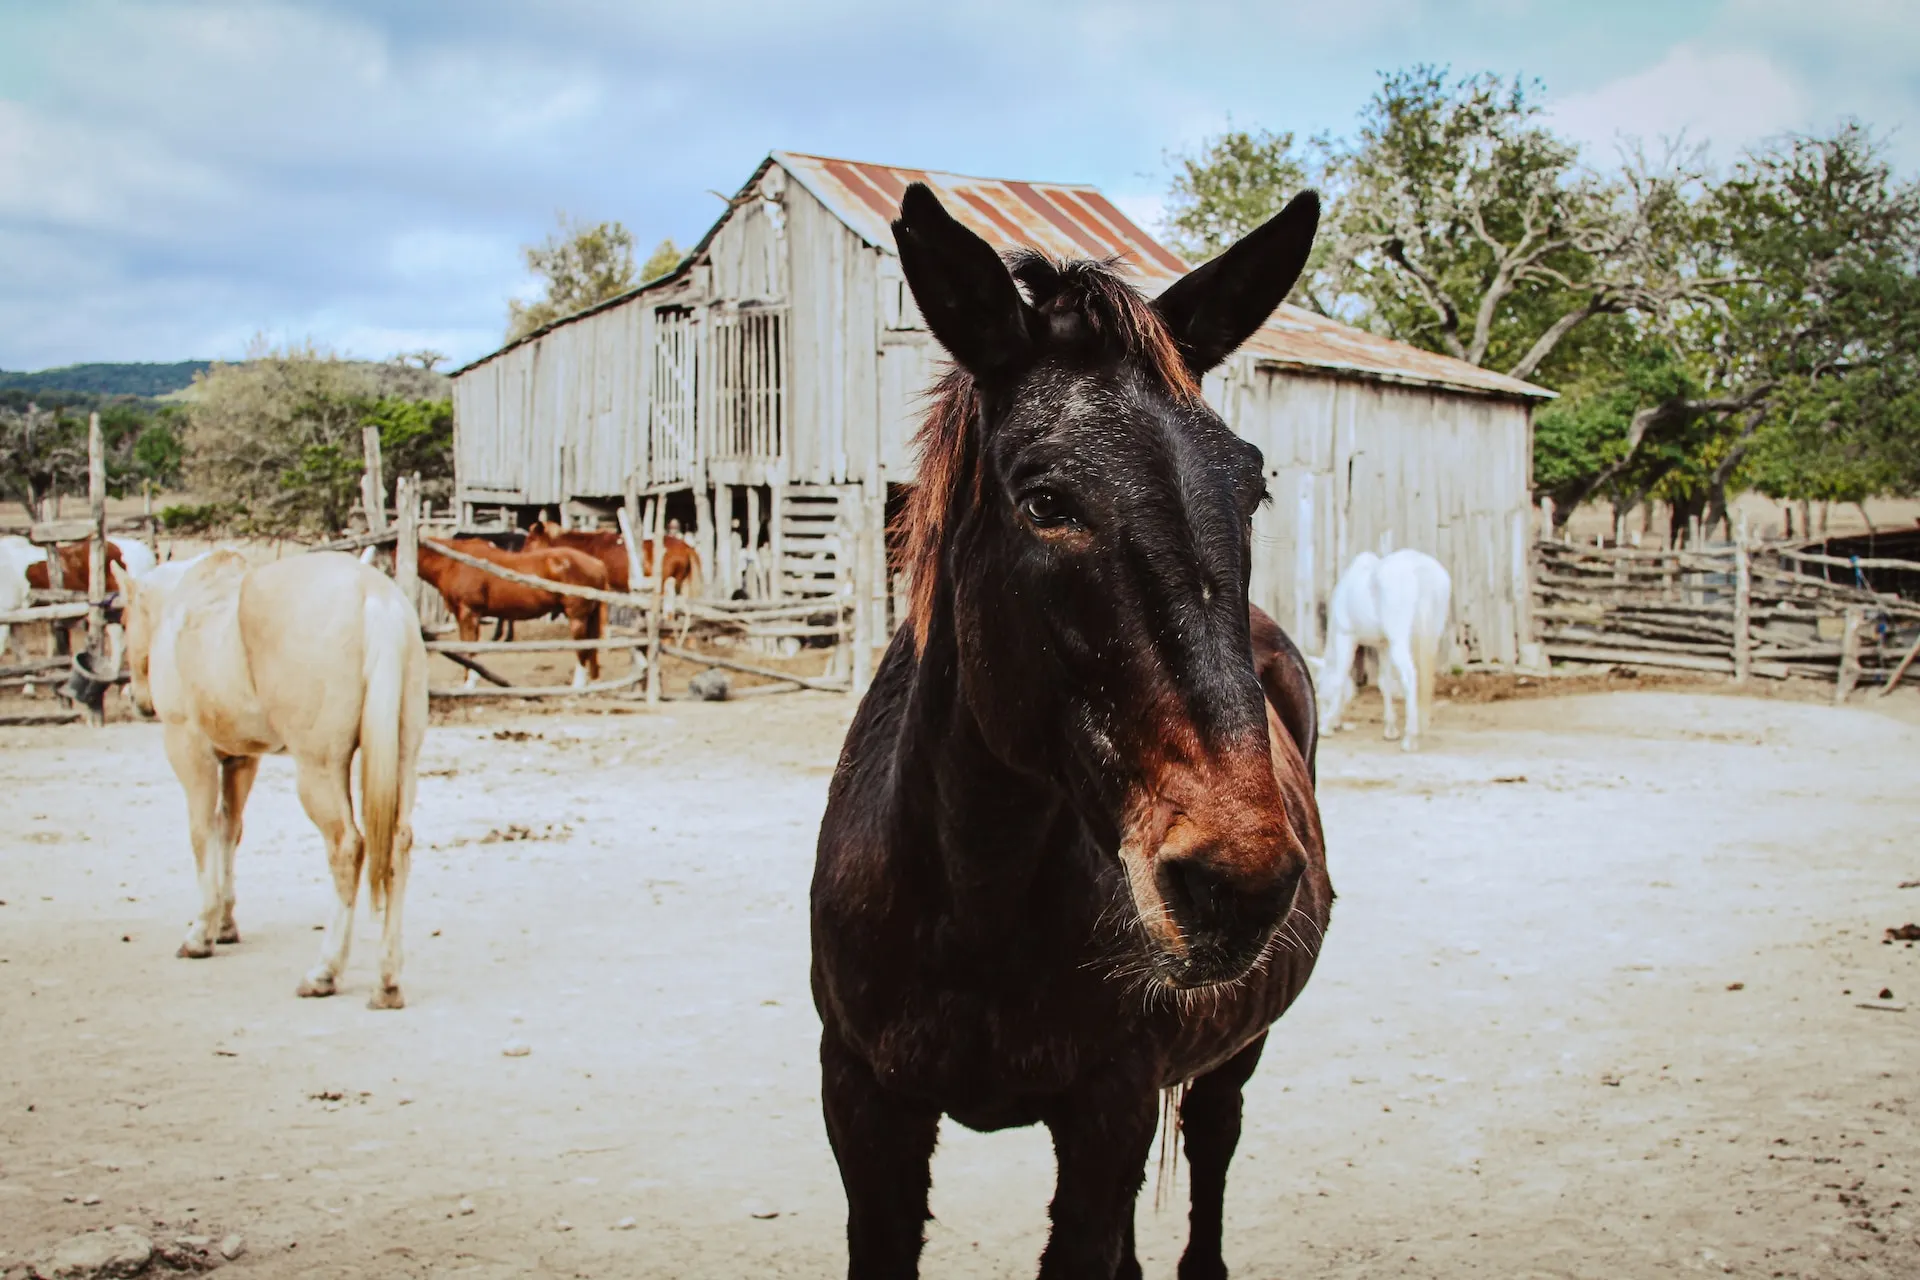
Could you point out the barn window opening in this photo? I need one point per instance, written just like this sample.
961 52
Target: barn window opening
749 354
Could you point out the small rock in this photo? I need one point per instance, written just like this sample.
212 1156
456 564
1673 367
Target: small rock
1886 993
90 1200
465 1206
516 1049
758 1208
121 1251
232 1247
194 1242
625 1224
1736 986
710 685
561 1224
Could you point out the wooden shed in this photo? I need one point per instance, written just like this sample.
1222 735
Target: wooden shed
768 390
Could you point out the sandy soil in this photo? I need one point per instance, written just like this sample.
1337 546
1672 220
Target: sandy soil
1589 1008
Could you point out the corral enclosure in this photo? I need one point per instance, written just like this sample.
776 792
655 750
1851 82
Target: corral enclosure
1589 1007
770 387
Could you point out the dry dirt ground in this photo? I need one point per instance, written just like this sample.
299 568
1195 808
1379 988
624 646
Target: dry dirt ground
1589 1008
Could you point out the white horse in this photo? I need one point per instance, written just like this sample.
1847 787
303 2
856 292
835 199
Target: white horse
1396 606
16 553
318 657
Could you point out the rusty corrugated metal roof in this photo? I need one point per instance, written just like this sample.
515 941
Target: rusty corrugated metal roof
1076 221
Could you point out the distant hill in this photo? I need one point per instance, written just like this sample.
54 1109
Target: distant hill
108 379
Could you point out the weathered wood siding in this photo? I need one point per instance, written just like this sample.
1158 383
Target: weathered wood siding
1356 466
834 400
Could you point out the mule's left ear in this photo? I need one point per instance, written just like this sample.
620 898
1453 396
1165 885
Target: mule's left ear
123 580
1215 307
962 288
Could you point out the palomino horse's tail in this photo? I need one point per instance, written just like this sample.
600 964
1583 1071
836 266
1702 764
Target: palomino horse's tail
387 624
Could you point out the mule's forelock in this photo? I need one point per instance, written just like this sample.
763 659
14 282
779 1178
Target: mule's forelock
1086 312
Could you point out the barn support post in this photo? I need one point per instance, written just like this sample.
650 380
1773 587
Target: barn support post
753 539
373 485
1742 606
776 541
406 542
629 519
1306 628
657 526
96 553
703 541
1526 650
1849 655
855 515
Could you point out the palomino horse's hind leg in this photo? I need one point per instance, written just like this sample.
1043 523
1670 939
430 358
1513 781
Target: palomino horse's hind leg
325 795
387 994
198 769
236 784
1210 1119
1102 1134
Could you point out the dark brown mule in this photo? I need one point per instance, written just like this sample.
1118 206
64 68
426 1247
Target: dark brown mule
1071 855
472 594
610 549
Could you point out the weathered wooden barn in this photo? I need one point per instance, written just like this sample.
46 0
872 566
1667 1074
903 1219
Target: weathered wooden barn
769 388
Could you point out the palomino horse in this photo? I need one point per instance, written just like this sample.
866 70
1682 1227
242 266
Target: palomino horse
317 657
1397 607
1071 854
472 594
681 570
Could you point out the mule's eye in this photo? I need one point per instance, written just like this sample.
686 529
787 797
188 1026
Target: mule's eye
1047 510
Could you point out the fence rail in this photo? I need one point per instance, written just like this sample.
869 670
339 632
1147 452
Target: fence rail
1740 610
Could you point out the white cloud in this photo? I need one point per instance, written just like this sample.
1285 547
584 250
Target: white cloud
1727 98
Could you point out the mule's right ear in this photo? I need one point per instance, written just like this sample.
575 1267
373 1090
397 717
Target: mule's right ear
1217 306
963 289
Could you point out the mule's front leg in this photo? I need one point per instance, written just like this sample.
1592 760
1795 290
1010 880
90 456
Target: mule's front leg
1210 1119
883 1144
1102 1134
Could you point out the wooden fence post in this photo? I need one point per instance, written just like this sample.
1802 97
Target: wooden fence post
406 543
373 485
703 540
96 553
658 523
1742 606
1849 655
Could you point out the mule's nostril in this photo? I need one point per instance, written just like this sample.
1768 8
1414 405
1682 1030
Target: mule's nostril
1195 893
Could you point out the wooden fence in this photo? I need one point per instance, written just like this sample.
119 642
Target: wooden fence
1741 610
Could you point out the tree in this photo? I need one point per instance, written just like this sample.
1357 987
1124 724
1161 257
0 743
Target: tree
1467 227
581 264
276 440
665 257
1235 182
43 449
1807 366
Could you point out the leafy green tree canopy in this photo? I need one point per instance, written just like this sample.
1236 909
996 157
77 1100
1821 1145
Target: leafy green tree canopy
581 264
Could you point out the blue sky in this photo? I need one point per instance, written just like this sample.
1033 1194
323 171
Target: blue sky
178 177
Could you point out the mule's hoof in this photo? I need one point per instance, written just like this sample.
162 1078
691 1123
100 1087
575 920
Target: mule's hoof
315 988
189 952
1202 1269
228 936
387 998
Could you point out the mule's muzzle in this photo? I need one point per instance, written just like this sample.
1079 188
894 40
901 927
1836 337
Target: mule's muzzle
1224 917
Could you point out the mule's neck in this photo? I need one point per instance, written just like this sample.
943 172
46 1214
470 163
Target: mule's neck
992 833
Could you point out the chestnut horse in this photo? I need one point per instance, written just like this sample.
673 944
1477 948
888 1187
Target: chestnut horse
75 560
472 594
1071 854
681 570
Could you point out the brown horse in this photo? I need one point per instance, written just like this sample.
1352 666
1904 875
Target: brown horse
1071 855
75 560
682 567
472 594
